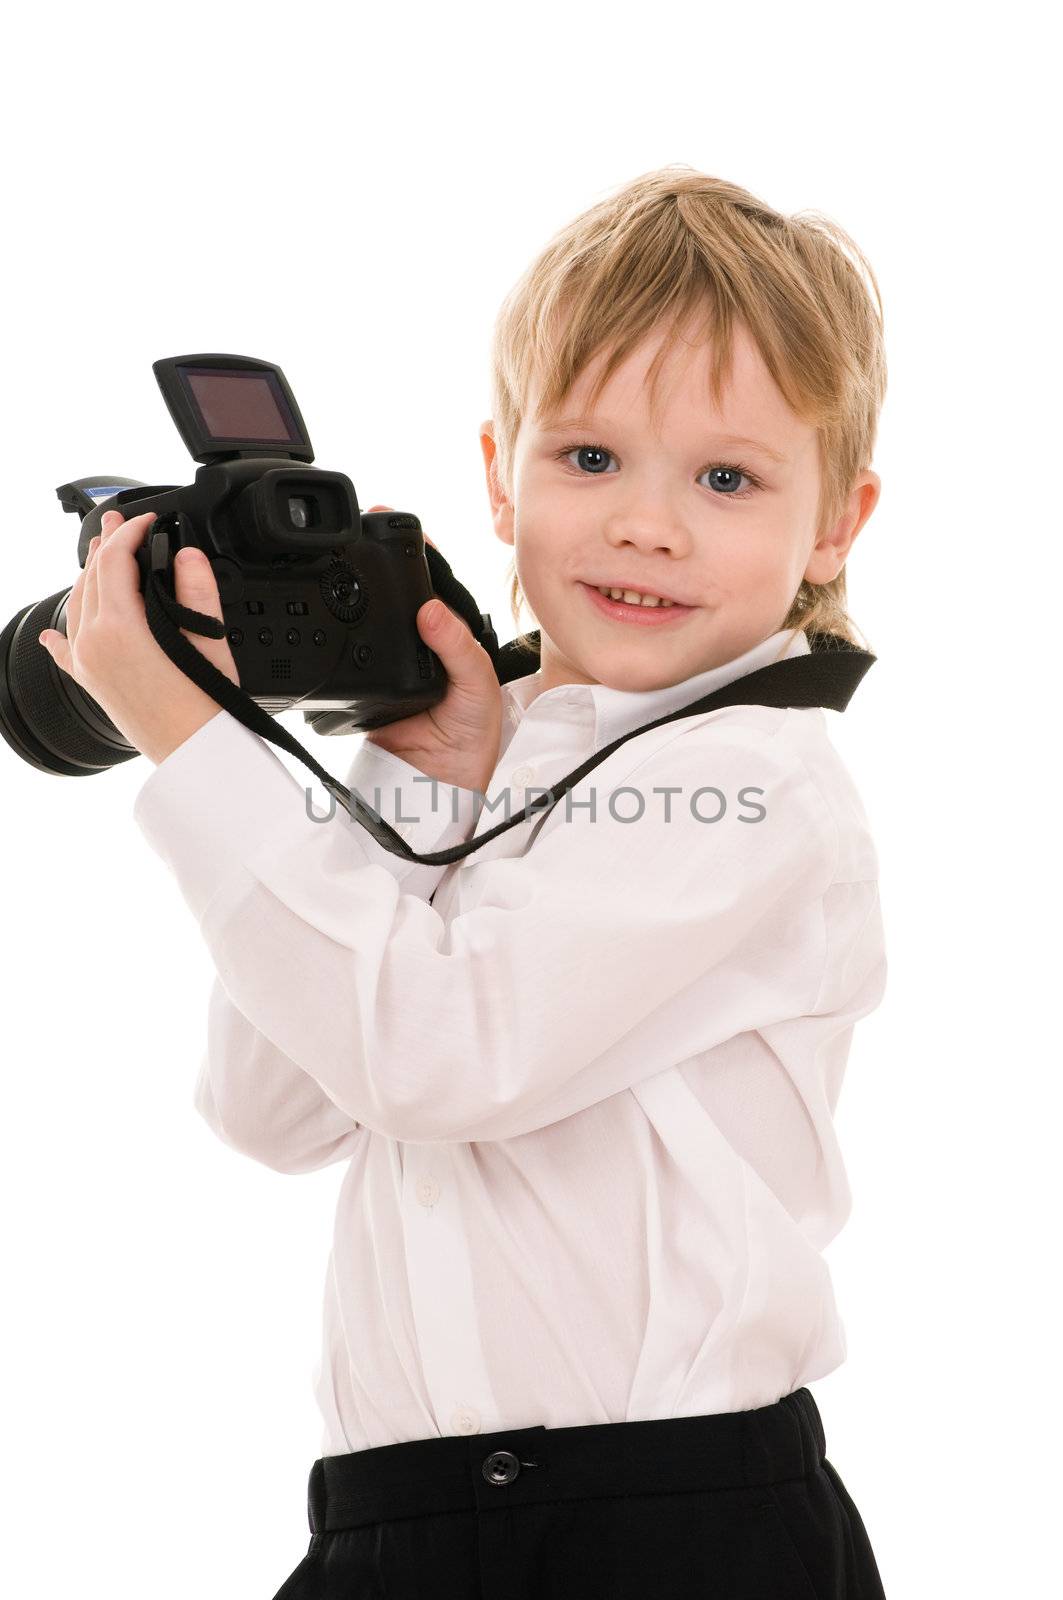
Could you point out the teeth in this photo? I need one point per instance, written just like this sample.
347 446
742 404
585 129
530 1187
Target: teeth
633 598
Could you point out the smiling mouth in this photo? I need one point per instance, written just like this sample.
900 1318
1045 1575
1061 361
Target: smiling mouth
637 614
644 598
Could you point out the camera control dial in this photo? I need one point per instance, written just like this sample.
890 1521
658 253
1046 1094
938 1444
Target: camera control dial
343 592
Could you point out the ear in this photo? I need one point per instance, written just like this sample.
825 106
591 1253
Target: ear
829 553
501 509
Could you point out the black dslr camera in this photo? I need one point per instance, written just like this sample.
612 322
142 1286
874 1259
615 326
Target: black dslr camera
319 602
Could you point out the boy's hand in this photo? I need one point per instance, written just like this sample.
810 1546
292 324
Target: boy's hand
111 652
457 740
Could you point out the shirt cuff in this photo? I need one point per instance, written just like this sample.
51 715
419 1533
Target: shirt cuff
423 810
427 814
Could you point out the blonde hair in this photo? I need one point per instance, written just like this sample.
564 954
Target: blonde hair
675 244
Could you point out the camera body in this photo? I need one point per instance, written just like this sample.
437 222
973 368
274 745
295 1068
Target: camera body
319 602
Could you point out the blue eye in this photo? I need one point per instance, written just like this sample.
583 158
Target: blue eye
586 450
734 473
725 491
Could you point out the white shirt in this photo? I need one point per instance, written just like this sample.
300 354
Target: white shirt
584 1089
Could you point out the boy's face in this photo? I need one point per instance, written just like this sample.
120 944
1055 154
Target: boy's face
722 527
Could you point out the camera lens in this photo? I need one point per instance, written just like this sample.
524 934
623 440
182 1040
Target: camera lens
45 715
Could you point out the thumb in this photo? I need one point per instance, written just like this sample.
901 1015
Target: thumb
196 587
444 631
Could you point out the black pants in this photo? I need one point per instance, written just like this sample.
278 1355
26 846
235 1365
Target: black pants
732 1506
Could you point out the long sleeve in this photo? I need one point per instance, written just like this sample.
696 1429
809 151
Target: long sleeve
606 953
252 1095
257 1100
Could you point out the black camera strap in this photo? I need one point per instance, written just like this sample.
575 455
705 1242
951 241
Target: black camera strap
826 677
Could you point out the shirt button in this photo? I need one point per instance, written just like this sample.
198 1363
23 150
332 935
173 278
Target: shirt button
465 1420
522 776
428 1191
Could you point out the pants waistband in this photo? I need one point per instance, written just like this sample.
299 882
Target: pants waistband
522 1466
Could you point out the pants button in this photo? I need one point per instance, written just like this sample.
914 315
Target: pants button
501 1467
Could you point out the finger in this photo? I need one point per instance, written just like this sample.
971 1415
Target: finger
58 647
196 587
90 604
131 533
72 615
60 644
89 590
118 577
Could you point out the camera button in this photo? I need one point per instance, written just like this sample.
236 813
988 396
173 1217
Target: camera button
265 635
236 635
292 636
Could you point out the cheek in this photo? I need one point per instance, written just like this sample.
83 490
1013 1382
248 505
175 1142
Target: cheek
547 497
759 549
539 563
742 555
548 529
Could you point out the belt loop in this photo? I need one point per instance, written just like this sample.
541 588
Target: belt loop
754 1454
316 1499
810 1429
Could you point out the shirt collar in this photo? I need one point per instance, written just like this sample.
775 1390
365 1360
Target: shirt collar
618 711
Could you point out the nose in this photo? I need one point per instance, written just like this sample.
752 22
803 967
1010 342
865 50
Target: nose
650 531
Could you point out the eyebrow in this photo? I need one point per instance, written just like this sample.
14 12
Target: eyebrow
735 440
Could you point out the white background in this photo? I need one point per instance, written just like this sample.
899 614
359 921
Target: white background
351 196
